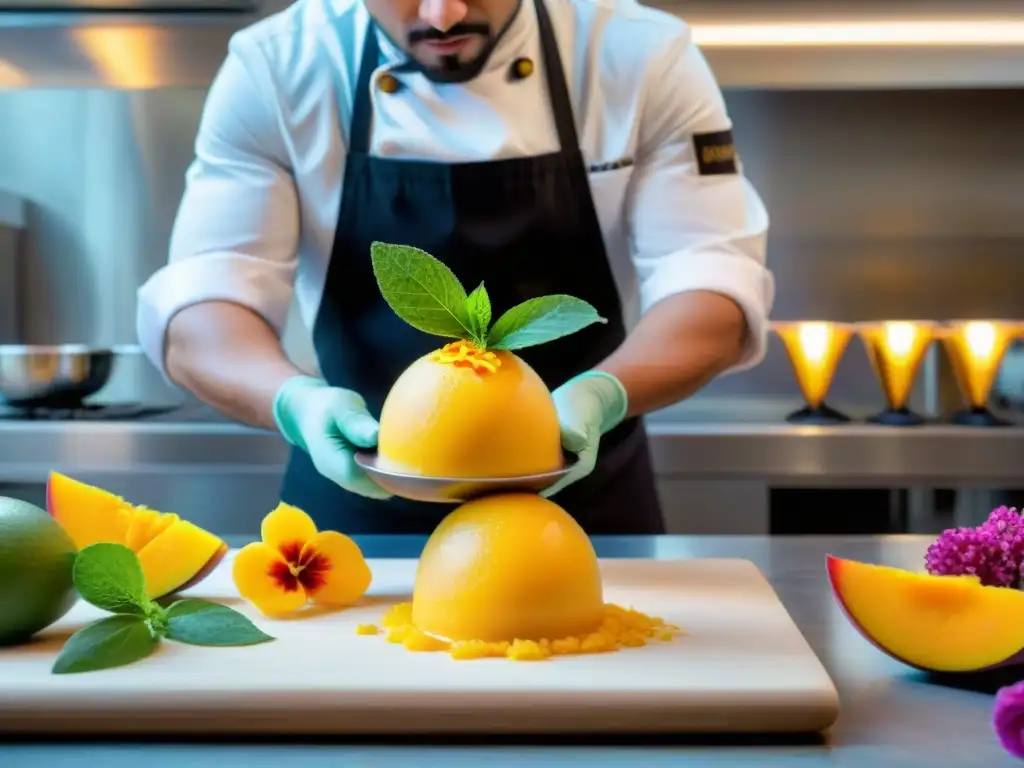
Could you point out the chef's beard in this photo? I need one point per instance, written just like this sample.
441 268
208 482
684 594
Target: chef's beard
451 69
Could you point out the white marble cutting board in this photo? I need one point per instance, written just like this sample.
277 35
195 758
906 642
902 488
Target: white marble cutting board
742 666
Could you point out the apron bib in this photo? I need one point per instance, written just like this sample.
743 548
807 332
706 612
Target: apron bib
526 227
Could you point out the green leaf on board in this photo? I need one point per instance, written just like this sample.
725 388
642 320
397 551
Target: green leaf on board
111 642
478 306
541 320
200 622
421 290
110 577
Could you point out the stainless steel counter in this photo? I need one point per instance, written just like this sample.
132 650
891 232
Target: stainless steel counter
708 454
890 716
725 440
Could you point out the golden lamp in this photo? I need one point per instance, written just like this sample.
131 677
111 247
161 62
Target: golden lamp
976 349
815 349
896 349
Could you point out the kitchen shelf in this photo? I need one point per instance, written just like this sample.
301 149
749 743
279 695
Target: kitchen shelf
757 44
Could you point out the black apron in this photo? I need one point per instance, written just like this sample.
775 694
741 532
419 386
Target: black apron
526 227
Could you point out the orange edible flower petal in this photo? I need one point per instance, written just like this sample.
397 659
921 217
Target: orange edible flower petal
266 580
287 529
334 571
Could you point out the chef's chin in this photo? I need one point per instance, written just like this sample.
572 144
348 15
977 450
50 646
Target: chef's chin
455 67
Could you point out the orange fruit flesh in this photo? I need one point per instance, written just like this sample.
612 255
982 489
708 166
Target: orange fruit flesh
940 623
462 413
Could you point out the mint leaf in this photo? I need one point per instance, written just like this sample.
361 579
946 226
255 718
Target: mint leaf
541 320
111 642
421 290
478 306
200 622
110 577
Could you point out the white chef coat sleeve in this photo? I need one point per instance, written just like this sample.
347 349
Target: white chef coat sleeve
694 225
236 233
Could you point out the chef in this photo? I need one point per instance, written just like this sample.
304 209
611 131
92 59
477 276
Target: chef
538 146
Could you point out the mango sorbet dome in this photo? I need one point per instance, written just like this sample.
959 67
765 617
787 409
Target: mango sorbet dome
514 576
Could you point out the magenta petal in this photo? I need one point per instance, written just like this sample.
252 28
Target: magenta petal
1008 718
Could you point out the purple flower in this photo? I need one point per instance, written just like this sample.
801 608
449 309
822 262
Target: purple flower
993 551
1008 718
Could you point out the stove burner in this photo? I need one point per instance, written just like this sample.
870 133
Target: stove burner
84 412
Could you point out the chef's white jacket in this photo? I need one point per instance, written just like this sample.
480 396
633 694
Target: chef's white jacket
258 217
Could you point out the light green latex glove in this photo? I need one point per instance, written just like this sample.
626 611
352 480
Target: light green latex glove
589 405
330 424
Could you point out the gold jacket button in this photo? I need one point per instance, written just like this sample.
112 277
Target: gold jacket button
387 83
521 69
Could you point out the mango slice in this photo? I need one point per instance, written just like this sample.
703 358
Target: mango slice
932 623
180 557
175 554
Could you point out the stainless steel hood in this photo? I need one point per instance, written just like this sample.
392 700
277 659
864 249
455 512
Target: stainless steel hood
764 44
128 5
854 44
139 49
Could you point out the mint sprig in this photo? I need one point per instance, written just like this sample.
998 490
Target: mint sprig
427 295
110 577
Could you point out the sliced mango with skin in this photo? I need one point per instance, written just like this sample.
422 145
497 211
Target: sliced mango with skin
934 623
177 557
174 553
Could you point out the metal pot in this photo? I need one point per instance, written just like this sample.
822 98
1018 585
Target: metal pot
55 376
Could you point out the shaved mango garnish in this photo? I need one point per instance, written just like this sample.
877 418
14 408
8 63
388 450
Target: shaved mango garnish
620 628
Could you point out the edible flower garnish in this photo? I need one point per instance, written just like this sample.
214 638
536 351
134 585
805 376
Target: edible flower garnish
466 354
295 564
1008 718
992 551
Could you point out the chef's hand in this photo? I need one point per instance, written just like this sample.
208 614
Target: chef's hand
589 405
330 424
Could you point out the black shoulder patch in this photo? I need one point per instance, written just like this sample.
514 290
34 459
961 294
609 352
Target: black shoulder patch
716 153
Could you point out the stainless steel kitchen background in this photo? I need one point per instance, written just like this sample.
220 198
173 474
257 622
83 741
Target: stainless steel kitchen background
900 196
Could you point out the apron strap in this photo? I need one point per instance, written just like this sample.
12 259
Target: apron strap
558 91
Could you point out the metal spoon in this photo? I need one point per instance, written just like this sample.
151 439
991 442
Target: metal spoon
449 490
